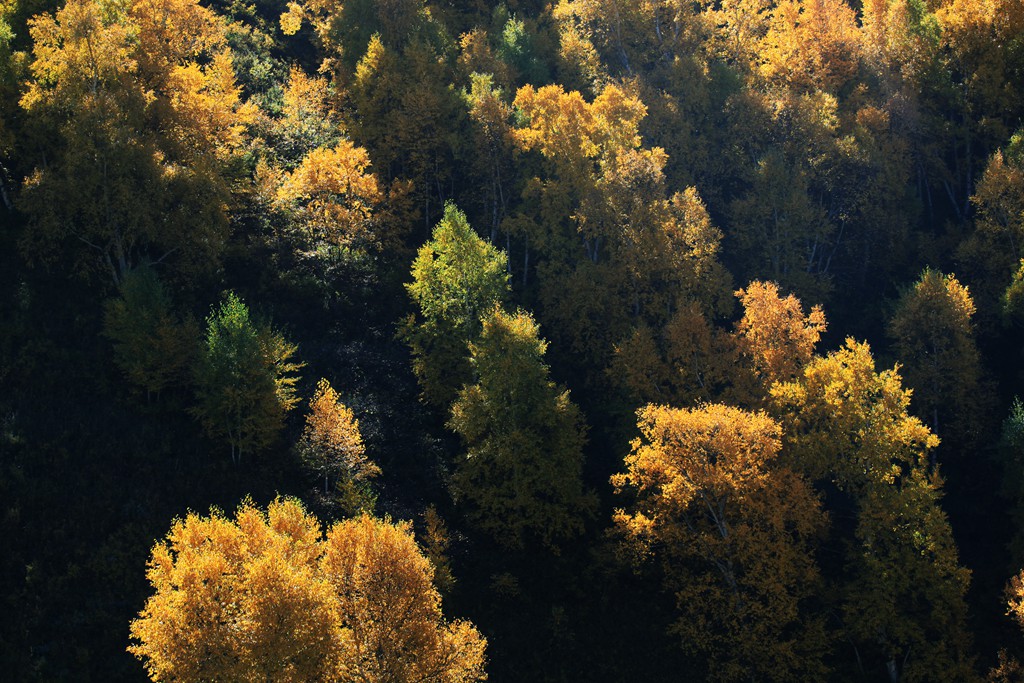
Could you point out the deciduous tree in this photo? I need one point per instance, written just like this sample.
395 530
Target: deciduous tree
152 345
520 475
733 531
267 595
244 379
332 445
776 337
140 111
934 334
457 278
334 197
903 598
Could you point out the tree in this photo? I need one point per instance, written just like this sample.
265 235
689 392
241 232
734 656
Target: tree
457 278
781 227
733 531
244 379
334 197
1015 598
1011 455
309 120
690 360
774 334
811 45
1009 669
385 588
903 593
490 117
136 124
616 253
934 338
521 473
684 357
999 230
266 596
9 78
151 345
332 445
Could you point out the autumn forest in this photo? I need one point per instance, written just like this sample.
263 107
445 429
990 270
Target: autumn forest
438 341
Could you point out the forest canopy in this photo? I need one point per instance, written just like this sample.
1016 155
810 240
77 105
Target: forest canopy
650 338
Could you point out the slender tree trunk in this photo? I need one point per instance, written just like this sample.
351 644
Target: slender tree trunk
894 673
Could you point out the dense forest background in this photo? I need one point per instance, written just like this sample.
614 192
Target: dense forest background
687 334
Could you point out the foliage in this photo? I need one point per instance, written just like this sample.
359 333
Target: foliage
143 121
774 334
457 279
934 335
904 593
524 440
151 345
244 379
334 197
269 595
733 531
332 445
637 161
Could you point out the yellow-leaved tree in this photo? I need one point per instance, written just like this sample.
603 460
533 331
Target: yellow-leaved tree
139 114
934 334
903 590
733 530
268 596
774 335
332 446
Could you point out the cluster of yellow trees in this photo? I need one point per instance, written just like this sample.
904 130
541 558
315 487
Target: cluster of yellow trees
627 163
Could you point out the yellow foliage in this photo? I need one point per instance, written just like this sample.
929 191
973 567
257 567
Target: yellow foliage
265 596
291 20
845 418
331 441
208 116
305 96
934 336
76 53
1015 598
774 333
175 32
811 44
334 195
732 530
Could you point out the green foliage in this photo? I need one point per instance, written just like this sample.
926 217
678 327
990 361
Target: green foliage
151 346
457 278
1011 453
244 379
524 440
516 48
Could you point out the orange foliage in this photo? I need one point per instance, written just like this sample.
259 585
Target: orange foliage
733 531
811 44
774 333
265 596
331 441
334 195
